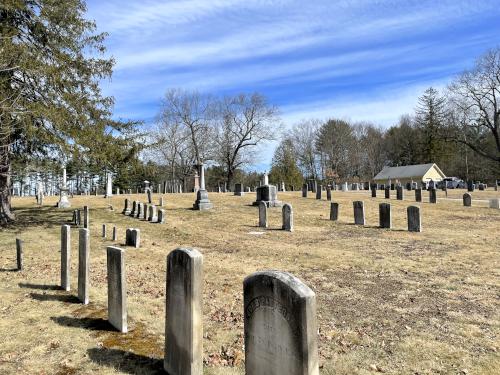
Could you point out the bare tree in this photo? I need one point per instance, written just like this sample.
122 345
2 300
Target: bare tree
244 121
304 136
474 97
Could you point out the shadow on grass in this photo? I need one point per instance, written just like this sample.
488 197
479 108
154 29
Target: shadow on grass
92 324
125 361
46 215
39 286
55 297
9 270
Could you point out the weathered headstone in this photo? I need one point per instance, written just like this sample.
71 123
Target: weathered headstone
334 211
133 212
387 192
359 212
139 210
414 220
495 203
399 193
374 191
104 231
467 200
280 325
161 216
19 254
161 203
86 217
150 198
126 209
117 288
184 315
328 193
152 216
133 237
65 257
319 191
287 215
304 191
263 215
470 186
202 202
83 265
385 217
115 234
432 195
418 195
145 212
481 187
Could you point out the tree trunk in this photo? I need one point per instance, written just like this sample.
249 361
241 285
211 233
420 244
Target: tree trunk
230 178
6 214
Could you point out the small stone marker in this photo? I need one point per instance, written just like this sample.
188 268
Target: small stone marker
328 193
399 193
387 191
280 325
334 211
161 216
495 203
385 217
152 216
117 288
126 209
65 256
467 199
414 221
133 237
115 234
104 231
287 214
418 195
161 202
184 315
319 190
432 195
262 214
359 212
86 217
374 191
19 254
304 191
83 265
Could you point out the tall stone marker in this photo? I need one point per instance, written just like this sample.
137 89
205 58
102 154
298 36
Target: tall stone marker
126 209
287 214
432 195
202 202
115 234
359 212
150 198
328 193
467 199
65 256
117 288
184 316
334 211
263 214
280 325
385 217
19 254
152 215
414 220
162 214
86 217
104 231
304 191
387 191
83 265
374 191
418 195
319 191
399 193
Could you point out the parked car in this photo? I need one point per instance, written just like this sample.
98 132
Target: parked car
452 183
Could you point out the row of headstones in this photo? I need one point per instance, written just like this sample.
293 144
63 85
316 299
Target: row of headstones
145 211
286 213
77 217
314 187
279 311
400 194
385 215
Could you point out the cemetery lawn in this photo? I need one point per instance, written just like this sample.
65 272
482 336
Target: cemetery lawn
389 301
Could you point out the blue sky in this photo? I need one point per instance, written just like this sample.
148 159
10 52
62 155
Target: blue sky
356 59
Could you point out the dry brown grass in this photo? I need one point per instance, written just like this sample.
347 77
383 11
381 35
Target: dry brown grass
388 300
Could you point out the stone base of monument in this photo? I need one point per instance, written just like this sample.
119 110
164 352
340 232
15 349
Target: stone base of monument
202 202
63 201
268 195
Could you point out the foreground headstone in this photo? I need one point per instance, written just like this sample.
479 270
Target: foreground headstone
432 195
359 212
65 257
414 220
86 217
83 265
133 237
19 254
385 217
467 199
495 203
287 214
399 193
280 325
262 214
334 211
418 195
161 216
184 315
117 288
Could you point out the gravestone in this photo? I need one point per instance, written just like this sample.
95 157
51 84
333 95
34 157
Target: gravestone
115 234
414 220
481 187
387 192
133 237
83 265
287 215
161 216
399 193
418 195
470 186
202 202
467 199
145 212
150 198
133 212
161 203
65 257
19 254
63 193
319 191
359 212
408 186
139 209
104 231
267 194
495 203
374 192
385 217
432 195
152 217
117 288
304 191
86 217
280 325
328 193
238 190
126 209
263 215
184 313
334 211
